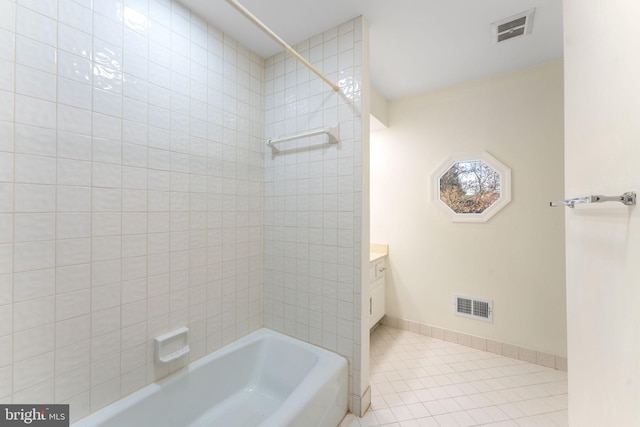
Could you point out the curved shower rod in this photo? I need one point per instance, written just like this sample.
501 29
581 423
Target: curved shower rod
243 10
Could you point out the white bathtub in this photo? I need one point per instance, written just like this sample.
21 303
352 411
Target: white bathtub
265 379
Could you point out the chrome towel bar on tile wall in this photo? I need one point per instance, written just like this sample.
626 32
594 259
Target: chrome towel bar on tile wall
628 199
332 132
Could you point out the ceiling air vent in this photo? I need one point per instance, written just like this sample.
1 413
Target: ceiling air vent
512 27
475 308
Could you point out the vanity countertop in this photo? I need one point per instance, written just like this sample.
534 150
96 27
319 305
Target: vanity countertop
377 251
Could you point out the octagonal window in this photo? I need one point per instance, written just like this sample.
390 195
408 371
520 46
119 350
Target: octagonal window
472 188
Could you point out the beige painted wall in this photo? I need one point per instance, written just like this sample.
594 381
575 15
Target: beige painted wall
379 110
517 258
602 120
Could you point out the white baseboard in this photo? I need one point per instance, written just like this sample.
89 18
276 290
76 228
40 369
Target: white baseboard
479 343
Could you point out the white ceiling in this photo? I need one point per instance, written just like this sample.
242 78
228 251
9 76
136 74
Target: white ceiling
416 45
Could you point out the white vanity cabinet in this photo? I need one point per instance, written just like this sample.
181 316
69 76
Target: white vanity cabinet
377 269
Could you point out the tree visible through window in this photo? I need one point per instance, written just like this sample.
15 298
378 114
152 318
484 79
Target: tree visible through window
469 187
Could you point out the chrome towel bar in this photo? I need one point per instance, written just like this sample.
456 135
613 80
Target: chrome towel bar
628 198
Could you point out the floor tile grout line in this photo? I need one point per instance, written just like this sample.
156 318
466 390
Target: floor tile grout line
394 352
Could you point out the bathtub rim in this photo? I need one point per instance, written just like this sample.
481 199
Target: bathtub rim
124 403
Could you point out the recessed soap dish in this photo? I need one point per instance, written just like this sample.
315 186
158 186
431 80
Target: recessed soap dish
172 345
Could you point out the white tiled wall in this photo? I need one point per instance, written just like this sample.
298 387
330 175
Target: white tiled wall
313 195
131 194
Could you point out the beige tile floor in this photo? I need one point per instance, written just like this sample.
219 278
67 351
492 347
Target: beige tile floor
417 381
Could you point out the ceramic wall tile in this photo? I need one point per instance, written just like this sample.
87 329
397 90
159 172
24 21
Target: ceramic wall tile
106 179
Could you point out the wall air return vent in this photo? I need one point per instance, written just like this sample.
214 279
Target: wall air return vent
512 27
474 308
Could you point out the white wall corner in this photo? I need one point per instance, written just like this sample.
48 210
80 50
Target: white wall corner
379 116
